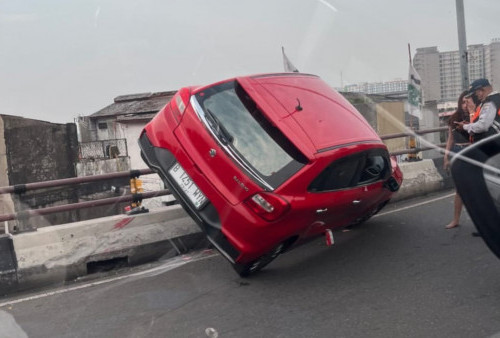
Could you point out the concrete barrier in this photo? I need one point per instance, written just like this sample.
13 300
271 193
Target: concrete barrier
8 263
419 178
64 252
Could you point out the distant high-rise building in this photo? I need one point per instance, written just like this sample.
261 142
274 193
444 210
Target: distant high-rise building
492 63
386 87
427 64
440 71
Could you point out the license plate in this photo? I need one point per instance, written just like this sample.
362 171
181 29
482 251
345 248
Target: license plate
187 185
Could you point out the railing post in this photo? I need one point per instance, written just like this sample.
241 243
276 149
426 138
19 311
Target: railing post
126 146
24 223
413 134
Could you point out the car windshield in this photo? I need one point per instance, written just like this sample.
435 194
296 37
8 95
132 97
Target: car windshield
235 118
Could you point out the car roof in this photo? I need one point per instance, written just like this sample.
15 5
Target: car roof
312 115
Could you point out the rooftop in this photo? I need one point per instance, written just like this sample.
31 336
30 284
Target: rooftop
135 104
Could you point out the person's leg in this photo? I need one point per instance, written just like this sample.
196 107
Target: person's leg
457 210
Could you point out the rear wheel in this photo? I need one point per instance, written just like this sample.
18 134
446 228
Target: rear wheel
245 270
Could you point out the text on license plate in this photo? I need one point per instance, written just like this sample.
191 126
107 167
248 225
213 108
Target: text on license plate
187 185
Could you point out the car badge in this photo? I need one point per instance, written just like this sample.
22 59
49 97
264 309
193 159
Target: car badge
212 152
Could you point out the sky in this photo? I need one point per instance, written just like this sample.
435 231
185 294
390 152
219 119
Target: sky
60 59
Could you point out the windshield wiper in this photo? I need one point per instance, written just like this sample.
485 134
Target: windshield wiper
222 133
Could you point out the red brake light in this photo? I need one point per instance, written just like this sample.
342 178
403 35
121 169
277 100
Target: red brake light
179 103
267 205
394 163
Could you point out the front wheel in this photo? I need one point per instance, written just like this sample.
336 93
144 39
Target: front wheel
244 270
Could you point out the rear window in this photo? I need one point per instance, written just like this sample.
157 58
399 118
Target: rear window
354 170
247 133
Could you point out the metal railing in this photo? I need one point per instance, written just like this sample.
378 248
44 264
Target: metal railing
82 205
26 214
410 133
21 188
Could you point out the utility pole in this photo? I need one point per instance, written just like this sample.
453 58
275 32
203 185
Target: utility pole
462 44
410 115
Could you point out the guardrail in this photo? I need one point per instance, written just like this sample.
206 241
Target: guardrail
82 205
413 133
22 188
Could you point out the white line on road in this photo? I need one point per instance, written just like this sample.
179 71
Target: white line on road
415 205
163 268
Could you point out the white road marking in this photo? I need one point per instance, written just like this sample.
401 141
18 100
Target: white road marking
163 268
415 205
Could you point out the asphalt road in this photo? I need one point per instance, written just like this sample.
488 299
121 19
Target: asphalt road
399 275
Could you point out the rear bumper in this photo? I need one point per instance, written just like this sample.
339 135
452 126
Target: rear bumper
207 217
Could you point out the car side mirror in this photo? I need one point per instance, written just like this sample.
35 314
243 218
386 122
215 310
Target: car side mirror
476 173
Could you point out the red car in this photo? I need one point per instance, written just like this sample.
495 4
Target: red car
260 162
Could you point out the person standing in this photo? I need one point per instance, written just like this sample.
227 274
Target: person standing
457 140
487 122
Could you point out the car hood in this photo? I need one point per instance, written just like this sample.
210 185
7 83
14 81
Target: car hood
308 111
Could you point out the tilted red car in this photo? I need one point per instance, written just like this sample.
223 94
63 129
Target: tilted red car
260 162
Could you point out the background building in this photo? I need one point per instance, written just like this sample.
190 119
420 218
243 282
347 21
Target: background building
387 87
440 71
39 151
118 126
427 63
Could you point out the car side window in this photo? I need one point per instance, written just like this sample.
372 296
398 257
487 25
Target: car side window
375 168
338 175
354 170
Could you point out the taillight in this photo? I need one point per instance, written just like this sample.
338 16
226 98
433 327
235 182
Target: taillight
267 205
179 103
394 163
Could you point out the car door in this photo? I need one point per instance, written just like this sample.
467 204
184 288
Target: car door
374 171
333 196
347 190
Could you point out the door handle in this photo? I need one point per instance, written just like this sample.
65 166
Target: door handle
356 202
320 211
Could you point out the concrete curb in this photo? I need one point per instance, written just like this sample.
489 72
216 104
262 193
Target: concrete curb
8 262
61 253
419 178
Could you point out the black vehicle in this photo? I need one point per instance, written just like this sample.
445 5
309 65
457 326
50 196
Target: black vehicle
476 172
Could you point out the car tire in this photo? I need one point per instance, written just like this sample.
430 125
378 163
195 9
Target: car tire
245 270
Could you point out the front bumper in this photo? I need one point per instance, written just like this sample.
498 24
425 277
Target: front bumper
161 160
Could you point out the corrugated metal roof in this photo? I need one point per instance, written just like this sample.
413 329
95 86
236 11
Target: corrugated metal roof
136 117
135 104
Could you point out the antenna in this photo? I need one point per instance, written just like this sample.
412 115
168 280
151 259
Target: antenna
299 107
